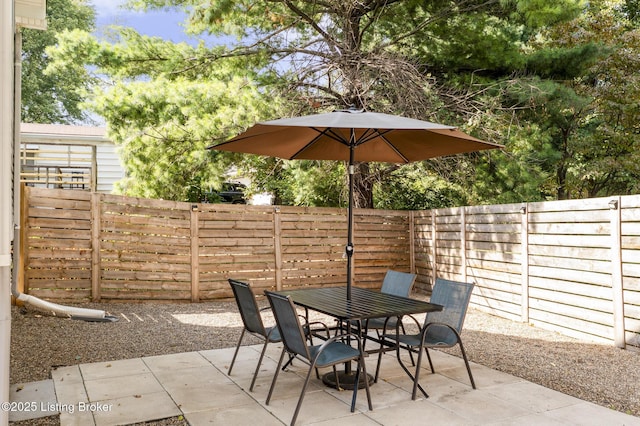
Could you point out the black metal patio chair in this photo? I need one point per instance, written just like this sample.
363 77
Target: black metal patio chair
398 284
331 352
252 320
440 330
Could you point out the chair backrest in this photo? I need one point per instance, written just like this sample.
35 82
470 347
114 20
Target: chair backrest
291 332
398 283
248 307
454 296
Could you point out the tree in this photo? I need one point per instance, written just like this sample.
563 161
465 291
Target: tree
403 57
491 67
609 156
587 107
54 97
163 111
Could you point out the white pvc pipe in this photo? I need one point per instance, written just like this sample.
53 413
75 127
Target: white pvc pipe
7 22
59 309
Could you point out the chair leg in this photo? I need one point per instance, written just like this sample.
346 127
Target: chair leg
255 374
275 376
304 389
429 358
416 379
356 384
381 352
288 363
235 354
375 378
466 363
366 382
413 363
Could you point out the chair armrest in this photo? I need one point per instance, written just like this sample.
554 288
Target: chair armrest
425 329
414 320
442 324
384 327
342 337
307 326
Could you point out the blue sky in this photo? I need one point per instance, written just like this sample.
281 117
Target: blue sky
165 24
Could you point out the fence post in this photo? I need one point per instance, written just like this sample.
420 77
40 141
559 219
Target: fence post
96 217
277 246
463 242
412 242
94 169
615 208
524 262
195 254
434 264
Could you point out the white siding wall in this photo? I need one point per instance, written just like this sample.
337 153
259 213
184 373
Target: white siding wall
61 146
109 168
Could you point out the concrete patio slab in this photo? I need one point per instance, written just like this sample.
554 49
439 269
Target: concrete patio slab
133 409
33 400
118 387
591 415
102 370
196 385
177 361
242 414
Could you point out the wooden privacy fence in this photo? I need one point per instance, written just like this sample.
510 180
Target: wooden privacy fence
569 266
89 246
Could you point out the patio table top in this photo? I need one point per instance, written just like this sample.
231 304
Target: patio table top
364 303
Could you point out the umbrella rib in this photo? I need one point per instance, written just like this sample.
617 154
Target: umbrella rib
371 134
393 147
328 132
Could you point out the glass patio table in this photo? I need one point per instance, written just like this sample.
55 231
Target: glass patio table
365 304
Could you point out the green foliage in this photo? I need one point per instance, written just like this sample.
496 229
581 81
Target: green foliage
542 13
564 63
555 81
164 127
318 184
413 188
54 97
163 110
482 42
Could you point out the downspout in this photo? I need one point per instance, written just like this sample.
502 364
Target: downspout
6 137
73 312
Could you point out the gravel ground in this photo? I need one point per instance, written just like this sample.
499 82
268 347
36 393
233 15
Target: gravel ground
41 342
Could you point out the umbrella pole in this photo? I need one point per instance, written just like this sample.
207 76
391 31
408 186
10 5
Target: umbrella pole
347 377
349 248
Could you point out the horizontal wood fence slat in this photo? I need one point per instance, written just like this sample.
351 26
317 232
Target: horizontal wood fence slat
569 266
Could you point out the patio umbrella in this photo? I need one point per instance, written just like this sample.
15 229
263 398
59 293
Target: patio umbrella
354 136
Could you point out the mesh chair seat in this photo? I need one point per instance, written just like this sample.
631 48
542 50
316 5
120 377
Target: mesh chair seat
273 334
435 339
333 353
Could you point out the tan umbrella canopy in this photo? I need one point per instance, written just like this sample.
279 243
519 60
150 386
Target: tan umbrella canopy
353 136
370 136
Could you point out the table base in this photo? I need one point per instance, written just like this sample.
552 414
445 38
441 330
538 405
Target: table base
346 380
